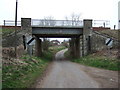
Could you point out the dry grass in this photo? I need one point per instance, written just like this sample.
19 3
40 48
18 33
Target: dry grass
110 32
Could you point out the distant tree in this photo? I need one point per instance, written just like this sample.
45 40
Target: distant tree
65 43
47 21
74 18
67 21
45 44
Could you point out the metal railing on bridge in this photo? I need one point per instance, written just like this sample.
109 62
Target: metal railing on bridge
101 23
71 23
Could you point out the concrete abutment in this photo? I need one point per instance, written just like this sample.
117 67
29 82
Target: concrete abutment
87 29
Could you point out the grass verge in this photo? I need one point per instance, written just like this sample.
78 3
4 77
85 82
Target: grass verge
99 62
23 72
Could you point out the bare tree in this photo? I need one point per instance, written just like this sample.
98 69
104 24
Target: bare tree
67 21
74 18
41 22
49 21
45 44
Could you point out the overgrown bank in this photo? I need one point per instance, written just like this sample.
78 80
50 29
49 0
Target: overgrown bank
23 72
97 61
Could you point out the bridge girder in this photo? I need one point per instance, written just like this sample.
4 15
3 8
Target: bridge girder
65 32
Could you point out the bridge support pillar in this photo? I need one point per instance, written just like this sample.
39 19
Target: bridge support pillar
77 47
72 49
38 47
86 36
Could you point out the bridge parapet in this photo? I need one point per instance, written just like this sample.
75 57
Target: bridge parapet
47 23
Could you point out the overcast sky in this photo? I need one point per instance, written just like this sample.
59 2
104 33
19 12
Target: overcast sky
37 9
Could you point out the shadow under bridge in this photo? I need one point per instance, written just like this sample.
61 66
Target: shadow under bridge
58 32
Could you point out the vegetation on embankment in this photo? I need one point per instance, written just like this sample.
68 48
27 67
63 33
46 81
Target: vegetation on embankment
23 72
55 49
6 30
109 32
97 61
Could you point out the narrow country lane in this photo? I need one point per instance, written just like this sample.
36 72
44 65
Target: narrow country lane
65 74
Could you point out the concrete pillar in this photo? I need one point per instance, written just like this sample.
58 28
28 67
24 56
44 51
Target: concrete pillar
77 47
72 48
81 46
38 47
86 33
26 25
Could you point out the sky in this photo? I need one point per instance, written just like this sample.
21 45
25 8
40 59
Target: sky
59 9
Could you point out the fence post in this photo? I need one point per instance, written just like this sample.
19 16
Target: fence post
4 22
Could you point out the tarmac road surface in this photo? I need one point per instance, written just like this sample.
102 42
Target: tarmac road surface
65 74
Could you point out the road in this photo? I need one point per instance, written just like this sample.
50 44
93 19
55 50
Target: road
66 74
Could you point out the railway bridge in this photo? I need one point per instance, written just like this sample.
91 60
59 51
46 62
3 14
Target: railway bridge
76 33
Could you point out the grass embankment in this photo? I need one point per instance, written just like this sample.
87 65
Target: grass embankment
112 33
9 30
22 73
6 32
98 61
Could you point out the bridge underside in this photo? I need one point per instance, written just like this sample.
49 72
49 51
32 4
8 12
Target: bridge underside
59 32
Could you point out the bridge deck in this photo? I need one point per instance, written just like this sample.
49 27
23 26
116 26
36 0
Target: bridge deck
65 32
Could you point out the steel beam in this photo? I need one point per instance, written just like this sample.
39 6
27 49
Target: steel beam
57 31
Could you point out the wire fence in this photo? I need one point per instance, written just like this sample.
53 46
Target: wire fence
11 23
